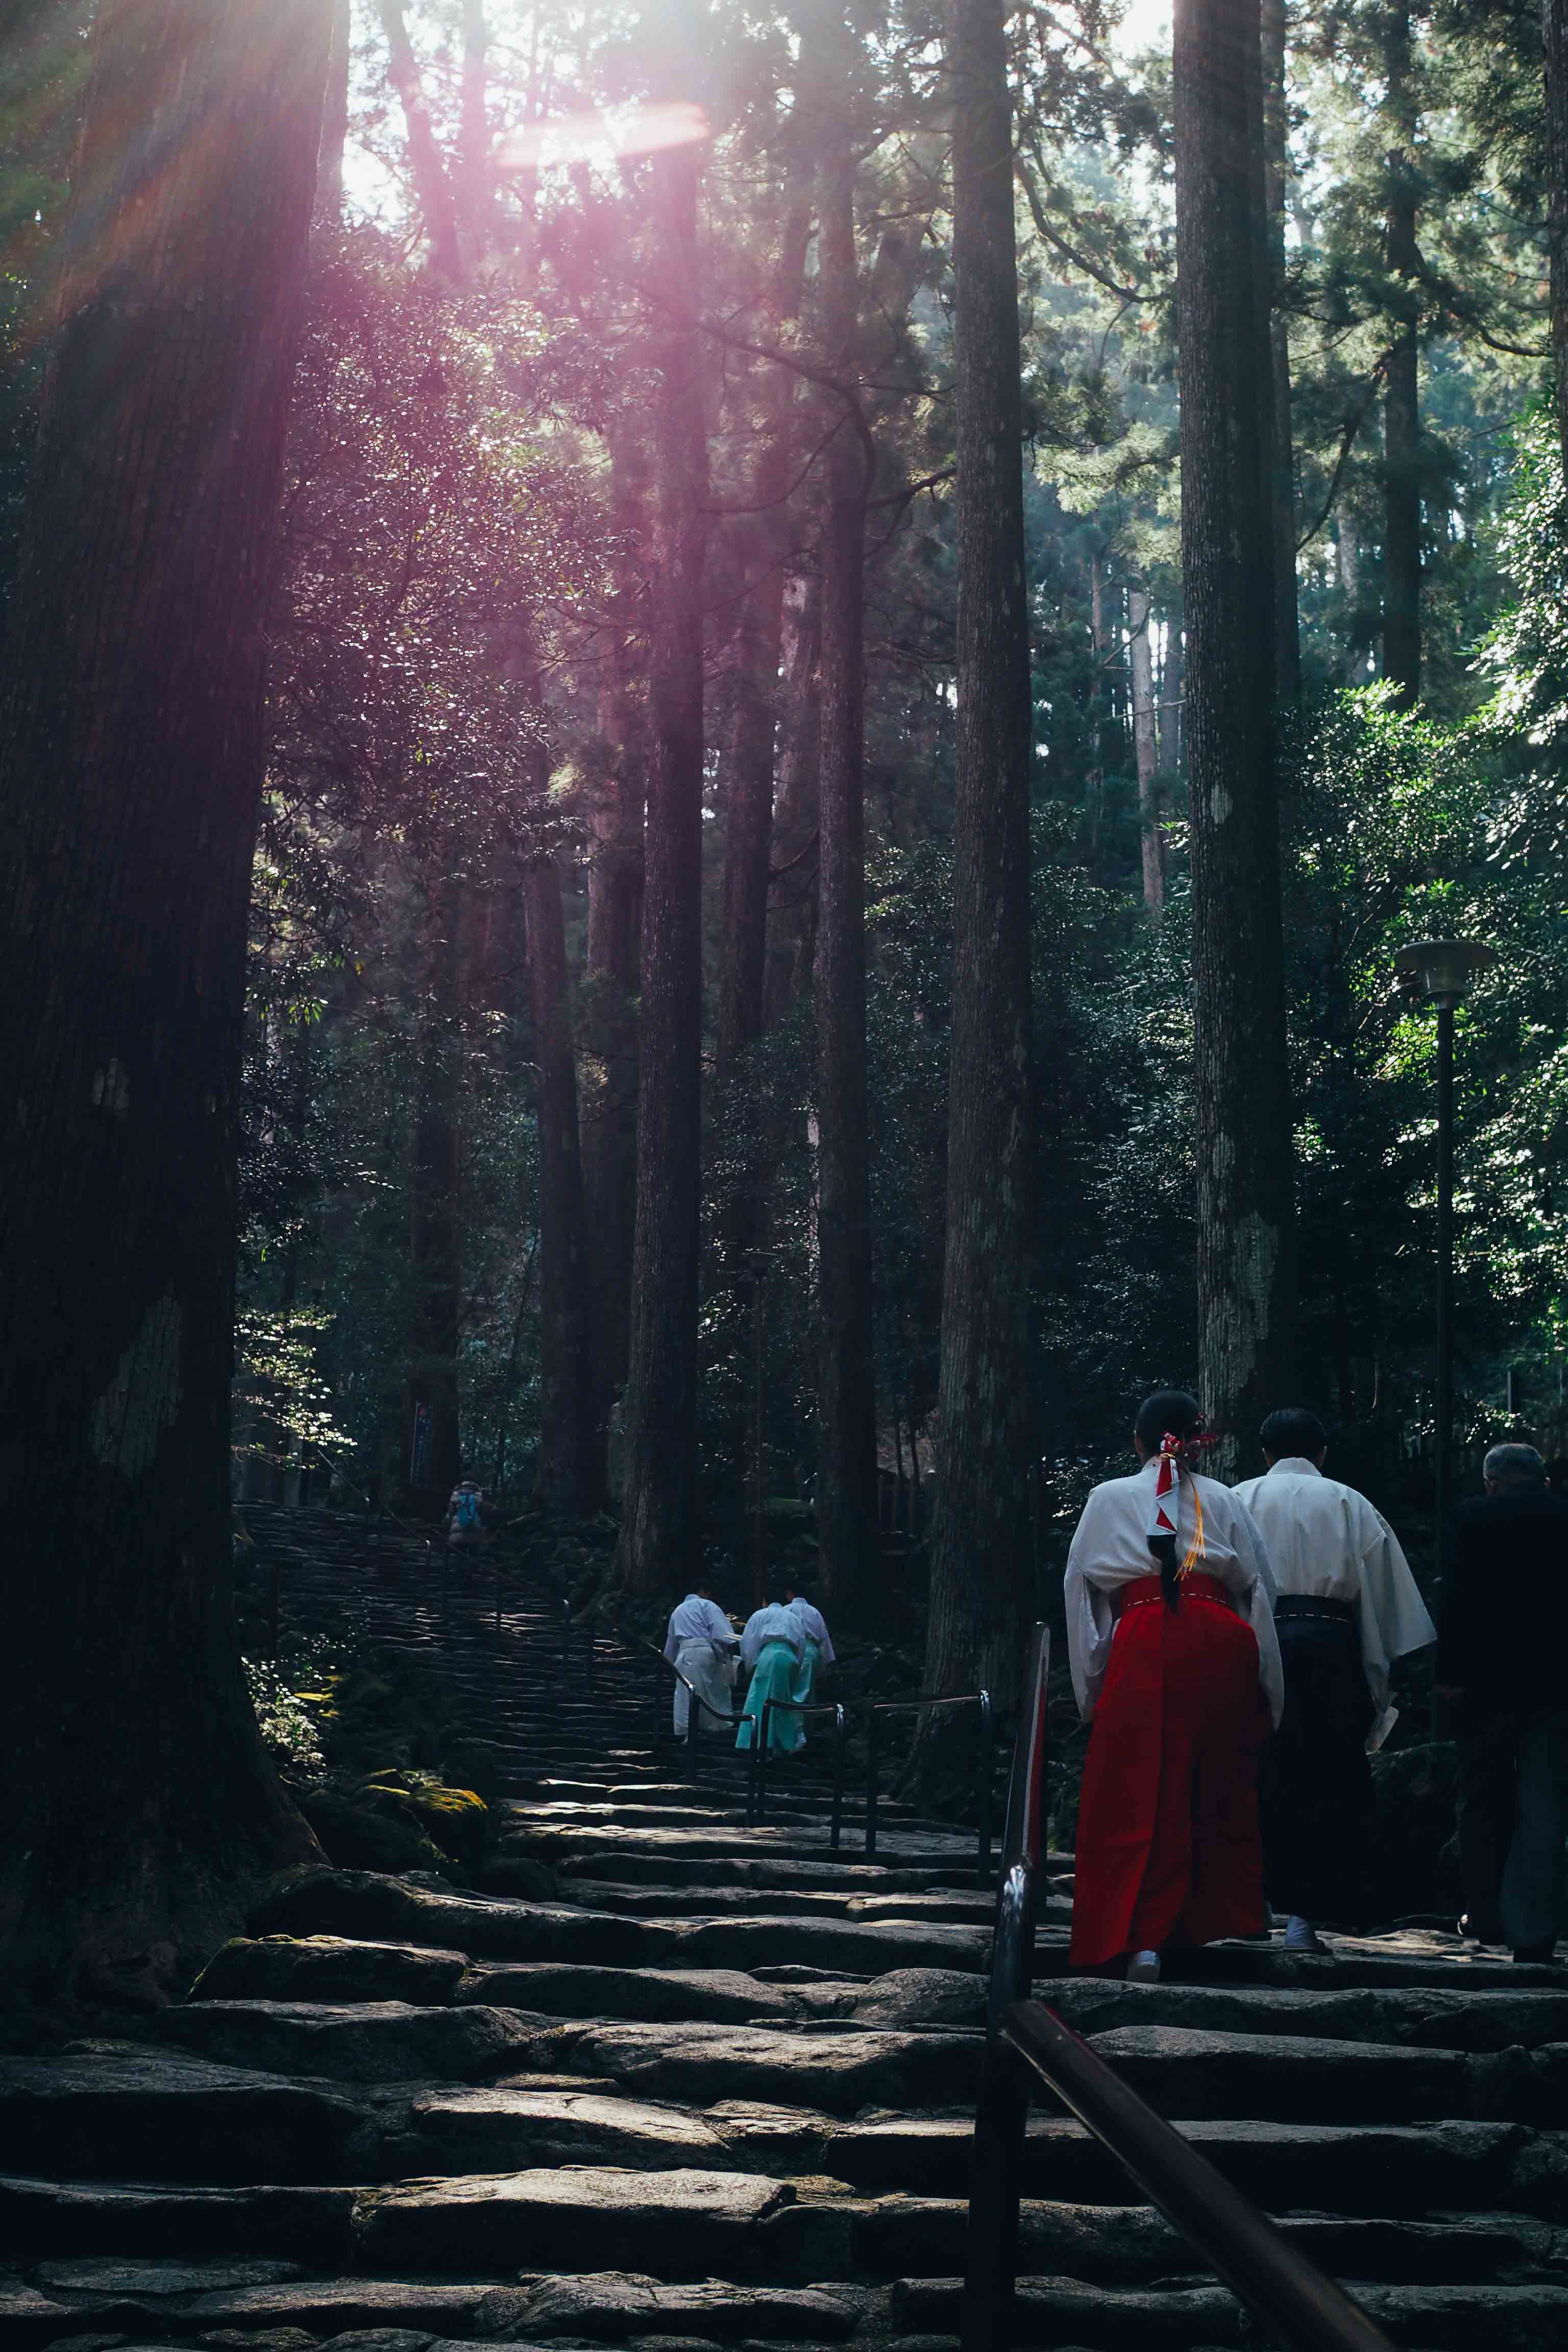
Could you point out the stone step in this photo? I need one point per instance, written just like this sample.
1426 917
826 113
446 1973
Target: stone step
1386 2169
686 2223
837 2071
108 2112
311 2226
1196 2075
328 1968
1436 2018
851 1873
618 2307
367 1906
148 2297
1057 2311
356 2042
1132 2245
976 1910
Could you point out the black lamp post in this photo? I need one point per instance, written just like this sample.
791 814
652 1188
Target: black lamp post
1438 972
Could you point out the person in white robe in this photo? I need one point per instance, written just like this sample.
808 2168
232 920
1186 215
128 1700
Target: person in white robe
773 1646
701 1642
1347 1607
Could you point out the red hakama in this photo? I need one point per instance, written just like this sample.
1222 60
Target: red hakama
1168 1849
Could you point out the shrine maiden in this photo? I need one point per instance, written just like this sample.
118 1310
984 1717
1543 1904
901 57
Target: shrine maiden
701 1640
1346 1606
773 1646
1171 1641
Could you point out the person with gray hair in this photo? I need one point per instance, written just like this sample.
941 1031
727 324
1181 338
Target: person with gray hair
1500 1669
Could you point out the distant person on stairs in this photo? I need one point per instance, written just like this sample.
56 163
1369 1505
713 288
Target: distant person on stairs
1171 1640
773 1646
1500 1669
701 1640
818 1652
1346 1606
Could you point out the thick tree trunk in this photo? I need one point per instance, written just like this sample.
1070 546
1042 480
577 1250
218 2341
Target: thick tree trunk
434 1238
432 188
749 835
981 1561
791 897
475 184
1554 21
569 1476
1140 660
131 760
1276 182
1401 405
335 117
1172 697
609 1025
1247 1259
845 1404
658 1518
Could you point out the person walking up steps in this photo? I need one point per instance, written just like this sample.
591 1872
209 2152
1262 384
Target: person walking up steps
701 1640
1499 1668
818 1652
1346 1606
1171 1641
773 1645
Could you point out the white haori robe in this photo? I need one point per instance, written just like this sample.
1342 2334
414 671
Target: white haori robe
1110 1548
1326 1542
701 1640
818 1652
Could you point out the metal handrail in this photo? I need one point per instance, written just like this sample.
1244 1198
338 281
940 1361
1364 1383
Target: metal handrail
1299 2304
756 1791
981 1699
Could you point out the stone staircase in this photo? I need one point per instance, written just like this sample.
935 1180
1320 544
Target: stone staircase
721 2091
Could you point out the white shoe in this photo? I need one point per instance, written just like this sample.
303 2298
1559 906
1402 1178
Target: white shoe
1144 1968
1301 1936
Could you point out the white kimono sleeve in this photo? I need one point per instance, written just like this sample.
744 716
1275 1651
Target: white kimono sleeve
1091 1619
1252 1553
1395 1619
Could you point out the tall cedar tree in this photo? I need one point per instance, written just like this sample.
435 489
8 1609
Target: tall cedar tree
658 1506
130 758
1246 1256
1276 180
1401 405
1556 26
568 1453
434 1222
981 1558
847 1395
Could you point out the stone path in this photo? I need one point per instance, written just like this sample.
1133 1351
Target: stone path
721 2093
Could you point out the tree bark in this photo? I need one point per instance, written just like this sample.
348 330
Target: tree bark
659 1520
335 117
435 1237
1173 694
1246 1258
1401 406
981 1562
1276 183
568 1478
131 758
476 183
1140 660
792 901
849 1545
1554 25
749 835
432 188
609 1027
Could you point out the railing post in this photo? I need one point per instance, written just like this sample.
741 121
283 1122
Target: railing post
497 1604
565 1640
762 1759
693 1730
274 1604
870 1783
984 1870
838 1740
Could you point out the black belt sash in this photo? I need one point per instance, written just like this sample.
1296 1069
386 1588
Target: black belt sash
1302 1605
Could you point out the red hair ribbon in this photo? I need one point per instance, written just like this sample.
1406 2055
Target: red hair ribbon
1175 1454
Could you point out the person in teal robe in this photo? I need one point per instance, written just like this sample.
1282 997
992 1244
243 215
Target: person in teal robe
771 1645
